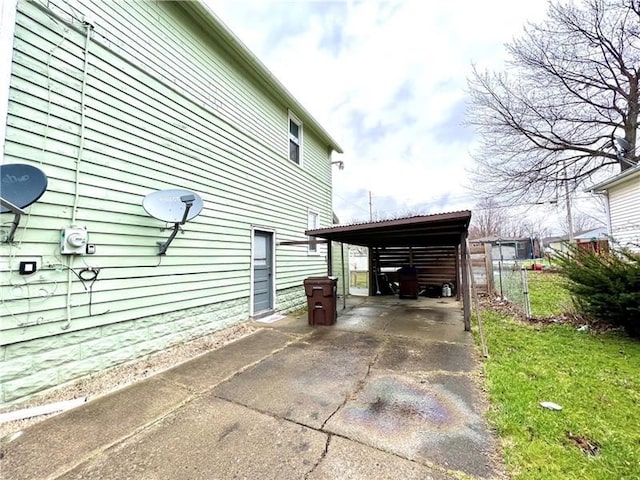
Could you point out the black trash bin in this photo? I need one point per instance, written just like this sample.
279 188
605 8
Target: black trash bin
322 293
408 282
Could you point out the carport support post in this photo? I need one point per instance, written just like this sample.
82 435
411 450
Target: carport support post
466 288
458 276
374 258
345 279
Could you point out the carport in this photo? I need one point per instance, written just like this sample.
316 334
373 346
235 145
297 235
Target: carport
435 245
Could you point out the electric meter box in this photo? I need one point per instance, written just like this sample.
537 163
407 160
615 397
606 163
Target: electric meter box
73 240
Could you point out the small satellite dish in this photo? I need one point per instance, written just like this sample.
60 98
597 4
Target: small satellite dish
171 205
21 185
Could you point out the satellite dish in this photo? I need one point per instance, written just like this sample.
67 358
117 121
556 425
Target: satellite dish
22 185
172 205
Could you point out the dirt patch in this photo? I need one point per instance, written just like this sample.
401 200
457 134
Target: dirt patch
588 446
514 311
122 375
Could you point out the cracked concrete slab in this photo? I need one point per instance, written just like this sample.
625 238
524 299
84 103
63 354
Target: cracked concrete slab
203 372
62 441
307 381
346 459
387 392
426 421
211 438
412 355
423 324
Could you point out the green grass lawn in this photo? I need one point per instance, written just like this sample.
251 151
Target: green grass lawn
547 294
595 377
359 279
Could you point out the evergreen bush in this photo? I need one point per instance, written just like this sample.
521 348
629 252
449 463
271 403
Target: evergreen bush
605 287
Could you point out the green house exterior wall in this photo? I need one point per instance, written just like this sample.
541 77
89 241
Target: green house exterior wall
340 266
162 105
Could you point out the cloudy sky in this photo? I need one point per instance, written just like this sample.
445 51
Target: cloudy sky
388 80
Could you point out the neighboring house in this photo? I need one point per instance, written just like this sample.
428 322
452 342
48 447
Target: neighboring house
595 240
623 201
358 261
510 248
114 101
554 244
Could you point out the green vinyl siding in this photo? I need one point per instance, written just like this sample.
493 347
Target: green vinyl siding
165 107
340 266
164 42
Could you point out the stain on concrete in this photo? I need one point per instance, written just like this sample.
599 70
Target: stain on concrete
228 430
373 311
304 383
417 420
363 323
409 355
391 403
434 315
329 339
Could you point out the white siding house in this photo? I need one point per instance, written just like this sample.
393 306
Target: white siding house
114 101
623 199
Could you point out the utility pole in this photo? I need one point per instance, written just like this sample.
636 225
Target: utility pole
370 208
569 218
568 199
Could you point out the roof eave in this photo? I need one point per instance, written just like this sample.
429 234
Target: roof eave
464 215
604 186
444 229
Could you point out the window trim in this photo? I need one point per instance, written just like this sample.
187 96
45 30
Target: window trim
300 140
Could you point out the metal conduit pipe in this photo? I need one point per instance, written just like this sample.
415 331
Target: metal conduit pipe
76 198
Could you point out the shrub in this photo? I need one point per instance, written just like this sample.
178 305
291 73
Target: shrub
605 287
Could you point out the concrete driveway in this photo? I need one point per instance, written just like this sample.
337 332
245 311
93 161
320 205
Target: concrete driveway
390 391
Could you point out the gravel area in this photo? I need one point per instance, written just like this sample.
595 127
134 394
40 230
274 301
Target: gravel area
122 375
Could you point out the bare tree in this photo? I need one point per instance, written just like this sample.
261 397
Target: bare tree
488 219
582 222
566 106
523 226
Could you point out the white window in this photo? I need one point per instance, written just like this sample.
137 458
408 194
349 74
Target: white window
313 223
295 139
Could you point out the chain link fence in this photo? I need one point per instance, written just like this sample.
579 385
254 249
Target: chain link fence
511 282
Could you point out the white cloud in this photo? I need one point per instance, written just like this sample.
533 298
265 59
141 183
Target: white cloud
387 80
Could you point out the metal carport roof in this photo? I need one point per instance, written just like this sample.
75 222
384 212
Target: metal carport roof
441 229
437 230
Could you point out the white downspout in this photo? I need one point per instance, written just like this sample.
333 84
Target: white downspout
76 198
